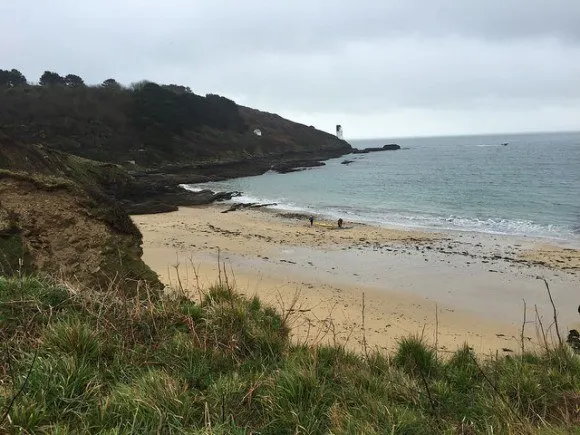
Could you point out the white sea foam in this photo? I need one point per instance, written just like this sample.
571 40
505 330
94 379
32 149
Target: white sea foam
446 184
389 218
438 223
193 187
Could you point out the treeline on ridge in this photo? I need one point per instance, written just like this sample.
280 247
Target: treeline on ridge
146 119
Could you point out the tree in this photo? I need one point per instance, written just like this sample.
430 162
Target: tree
73 81
12 78
111 84
137 86
178 89
50 78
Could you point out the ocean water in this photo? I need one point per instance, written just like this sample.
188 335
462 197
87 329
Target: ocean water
531 187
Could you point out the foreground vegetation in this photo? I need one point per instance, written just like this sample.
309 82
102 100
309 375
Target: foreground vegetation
78 361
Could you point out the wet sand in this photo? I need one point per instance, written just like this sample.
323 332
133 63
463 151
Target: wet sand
451 288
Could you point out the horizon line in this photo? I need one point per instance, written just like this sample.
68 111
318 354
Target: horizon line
511 133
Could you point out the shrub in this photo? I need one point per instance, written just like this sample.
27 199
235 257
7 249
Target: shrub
415 358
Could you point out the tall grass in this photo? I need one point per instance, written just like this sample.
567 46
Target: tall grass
95 362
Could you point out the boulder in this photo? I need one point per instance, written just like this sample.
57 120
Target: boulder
388 147
295 165
391 146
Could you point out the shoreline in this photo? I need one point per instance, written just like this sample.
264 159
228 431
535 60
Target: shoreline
563 241
474 282
449 232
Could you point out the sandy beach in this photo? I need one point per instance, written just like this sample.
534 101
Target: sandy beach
449 287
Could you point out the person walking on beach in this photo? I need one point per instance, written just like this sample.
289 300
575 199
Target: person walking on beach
340 223
311 219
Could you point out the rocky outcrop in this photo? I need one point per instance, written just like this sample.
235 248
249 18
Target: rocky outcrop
391 146
243 205
174 198
136 193
53 226
388 147
296 165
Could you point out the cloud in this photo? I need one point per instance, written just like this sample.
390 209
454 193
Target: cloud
412 60
445 73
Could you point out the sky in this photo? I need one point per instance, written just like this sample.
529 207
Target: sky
380 68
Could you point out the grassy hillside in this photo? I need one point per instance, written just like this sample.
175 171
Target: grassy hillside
91 362
104 182
96 177
149 124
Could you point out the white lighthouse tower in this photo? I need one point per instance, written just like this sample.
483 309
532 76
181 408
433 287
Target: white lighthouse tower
339 131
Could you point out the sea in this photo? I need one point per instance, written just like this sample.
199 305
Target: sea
529 187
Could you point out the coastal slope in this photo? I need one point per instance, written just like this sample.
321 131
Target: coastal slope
165 129
136 145
51 226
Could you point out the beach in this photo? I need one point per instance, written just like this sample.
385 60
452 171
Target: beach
367 286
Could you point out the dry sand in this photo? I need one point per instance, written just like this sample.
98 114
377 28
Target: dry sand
451 288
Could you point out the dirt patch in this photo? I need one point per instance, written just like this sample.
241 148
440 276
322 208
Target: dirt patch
60 230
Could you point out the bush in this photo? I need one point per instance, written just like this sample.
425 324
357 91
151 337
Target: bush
155 402
244 326
415 358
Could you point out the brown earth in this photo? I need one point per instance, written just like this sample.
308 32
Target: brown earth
57 229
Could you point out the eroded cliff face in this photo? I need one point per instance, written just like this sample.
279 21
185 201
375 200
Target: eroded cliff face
56 228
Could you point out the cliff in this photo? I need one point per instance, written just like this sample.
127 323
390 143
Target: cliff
53 226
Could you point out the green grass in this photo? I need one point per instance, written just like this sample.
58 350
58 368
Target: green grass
97 363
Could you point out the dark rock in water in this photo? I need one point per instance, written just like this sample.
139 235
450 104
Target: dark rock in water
238 206
391 146
388 147
346 162
296 165
242 205
206 197
225 196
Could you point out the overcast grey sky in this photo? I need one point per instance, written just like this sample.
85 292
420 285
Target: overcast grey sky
384 68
